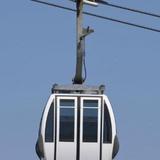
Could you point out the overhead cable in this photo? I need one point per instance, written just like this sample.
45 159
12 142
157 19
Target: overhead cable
99 16
132 10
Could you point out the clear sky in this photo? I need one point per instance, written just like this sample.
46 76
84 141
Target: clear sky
37 49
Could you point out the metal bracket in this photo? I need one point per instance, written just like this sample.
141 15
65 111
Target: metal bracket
78 89
86 32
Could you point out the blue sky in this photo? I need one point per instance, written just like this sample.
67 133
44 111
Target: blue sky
37 49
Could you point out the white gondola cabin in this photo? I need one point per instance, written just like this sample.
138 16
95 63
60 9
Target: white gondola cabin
77 124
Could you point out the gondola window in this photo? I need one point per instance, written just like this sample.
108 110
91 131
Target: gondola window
90 121
107 128
50 125
67 120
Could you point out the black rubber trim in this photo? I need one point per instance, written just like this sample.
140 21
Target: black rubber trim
115 147
78 128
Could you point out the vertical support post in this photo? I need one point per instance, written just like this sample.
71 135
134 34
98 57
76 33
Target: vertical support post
78 79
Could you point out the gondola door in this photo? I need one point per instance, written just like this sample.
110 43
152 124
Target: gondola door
78 128
90 139
66 128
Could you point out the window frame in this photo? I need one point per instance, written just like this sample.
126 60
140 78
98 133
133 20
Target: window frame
98 121
74 99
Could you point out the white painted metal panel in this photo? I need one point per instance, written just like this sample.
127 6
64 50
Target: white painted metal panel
66 150
49 151
107 151
90 150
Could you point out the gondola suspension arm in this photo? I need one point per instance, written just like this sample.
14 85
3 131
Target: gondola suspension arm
81 34
80 49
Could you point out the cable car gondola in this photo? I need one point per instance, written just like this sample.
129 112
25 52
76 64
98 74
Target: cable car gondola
77 124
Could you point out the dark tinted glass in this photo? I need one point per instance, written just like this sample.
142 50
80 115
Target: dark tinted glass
90 125
50 125
90 103
67 103
107 128
67 124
